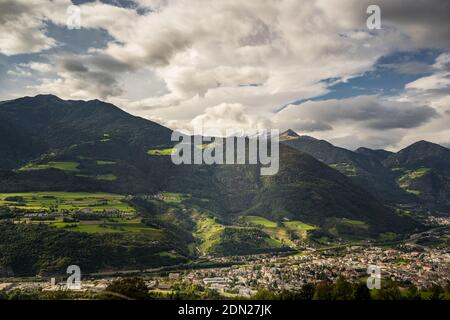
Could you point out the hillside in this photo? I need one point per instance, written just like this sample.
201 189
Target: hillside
423 170
417 176
80 149
36 125
364 166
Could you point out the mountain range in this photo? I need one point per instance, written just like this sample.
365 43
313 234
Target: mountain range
417 174
54 145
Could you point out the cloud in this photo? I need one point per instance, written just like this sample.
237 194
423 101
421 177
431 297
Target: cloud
423 23
23 24
224 117
434 89
369 121
240 61
79 77
364 111
410 67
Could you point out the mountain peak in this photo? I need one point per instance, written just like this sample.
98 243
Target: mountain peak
46 97
421 154
289 135
424 146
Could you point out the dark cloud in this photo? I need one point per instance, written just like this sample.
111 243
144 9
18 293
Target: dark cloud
410 67
73 65
311 126
12 9
105 62
89 77
364 111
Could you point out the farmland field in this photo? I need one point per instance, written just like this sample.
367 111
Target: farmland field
65 201
161 152
260 221
299 225
171 197
115 225
280 232
105 163
60 165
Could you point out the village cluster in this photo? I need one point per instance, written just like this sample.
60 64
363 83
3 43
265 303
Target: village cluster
406 265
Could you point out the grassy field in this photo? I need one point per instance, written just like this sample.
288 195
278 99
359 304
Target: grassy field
115 225
260 221
355 223
207 232
280 232
345 168
299 225
60 165
105 163
65 201
405 181
170 151
416 174
106 177
171 197
161 152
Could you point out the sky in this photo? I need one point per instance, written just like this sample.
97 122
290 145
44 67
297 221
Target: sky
309 65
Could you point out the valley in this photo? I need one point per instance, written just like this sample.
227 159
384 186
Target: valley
108 198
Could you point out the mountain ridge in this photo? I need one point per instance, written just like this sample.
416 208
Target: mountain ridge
80 134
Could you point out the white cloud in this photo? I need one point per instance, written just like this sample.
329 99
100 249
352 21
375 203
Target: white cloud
23 24
364 120
243 60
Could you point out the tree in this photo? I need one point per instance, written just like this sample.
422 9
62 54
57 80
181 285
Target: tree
437 292
324 291
413 293
389 291
362 292
127 288
264 294
343 290
307 292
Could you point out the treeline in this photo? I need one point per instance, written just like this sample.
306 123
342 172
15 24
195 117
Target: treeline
342 289
37 249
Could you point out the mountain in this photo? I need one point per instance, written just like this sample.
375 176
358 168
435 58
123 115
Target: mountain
418 175
53 148
32 126
364 166
380 154
71 138
421 154
289 135
423 170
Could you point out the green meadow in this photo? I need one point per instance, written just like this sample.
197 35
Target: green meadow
161 152
260 221
355 223
113 225
60 165
280 232
65 201
299 225
105 163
